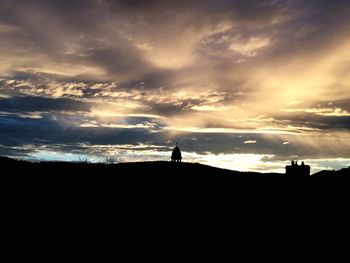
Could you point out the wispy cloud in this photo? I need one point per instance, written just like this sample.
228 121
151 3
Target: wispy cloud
250 142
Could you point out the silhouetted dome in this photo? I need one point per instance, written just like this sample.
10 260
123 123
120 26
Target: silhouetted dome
176 154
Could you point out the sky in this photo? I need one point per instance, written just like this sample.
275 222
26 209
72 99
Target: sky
243 85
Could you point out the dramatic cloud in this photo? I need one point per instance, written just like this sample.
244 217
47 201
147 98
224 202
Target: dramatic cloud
263 81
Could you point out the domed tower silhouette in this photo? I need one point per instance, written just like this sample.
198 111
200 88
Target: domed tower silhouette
176 156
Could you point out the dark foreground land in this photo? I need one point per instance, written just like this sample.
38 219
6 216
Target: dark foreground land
161 170
12 167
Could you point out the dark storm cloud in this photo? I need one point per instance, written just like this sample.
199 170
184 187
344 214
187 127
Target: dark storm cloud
202 63
124 62
81 32
31 136
38 104
323 123
16 131
246 10
167 110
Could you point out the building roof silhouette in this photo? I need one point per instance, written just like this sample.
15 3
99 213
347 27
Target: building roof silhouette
298 170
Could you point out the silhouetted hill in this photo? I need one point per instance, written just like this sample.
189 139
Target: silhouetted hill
342 172
159 170
122 170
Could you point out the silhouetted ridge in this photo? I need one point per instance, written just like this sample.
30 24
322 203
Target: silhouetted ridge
121 170
162 170
342 172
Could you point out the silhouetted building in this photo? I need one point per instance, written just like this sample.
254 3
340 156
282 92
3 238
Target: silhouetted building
176 156
298 170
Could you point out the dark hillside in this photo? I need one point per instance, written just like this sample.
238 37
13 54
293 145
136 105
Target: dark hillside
146 169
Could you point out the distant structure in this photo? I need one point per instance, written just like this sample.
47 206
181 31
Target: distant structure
298 170
176 156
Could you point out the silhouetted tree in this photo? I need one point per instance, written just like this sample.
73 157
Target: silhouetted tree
111 160
83 160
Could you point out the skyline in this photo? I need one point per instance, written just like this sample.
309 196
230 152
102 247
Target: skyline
243 85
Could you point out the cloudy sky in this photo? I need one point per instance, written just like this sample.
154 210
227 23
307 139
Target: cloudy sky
245 85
